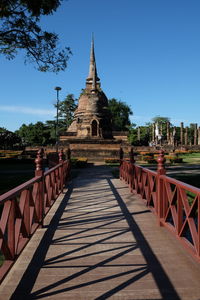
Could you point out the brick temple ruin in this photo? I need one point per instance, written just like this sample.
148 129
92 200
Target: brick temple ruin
90 133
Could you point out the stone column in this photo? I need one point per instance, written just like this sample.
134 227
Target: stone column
186 136
181 133
168 133
173 136
161 129
153 132
195 134
198 135
138 133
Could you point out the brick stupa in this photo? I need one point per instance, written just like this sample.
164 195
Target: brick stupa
90 133
92 118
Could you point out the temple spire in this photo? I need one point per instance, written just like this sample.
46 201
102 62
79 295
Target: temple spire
94 80
92 68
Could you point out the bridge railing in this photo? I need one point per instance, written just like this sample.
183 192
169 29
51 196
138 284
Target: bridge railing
176 204
23 209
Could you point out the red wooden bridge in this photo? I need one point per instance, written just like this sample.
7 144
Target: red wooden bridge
97 237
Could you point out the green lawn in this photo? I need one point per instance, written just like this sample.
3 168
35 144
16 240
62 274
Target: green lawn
192 179
9 181
191 158
13 174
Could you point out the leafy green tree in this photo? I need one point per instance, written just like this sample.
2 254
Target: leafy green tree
132 137
8 139
66 110
120 114
51 129
191 130
35 134
144 136
20 29
162 122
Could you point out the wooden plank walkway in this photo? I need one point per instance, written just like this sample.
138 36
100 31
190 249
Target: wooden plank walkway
101 242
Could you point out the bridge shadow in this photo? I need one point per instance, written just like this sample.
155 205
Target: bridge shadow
93 239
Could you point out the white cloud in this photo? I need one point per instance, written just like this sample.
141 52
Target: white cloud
140 120
27 110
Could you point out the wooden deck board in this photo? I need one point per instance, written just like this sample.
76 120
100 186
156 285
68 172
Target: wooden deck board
100 242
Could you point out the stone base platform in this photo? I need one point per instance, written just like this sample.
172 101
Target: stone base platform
95 149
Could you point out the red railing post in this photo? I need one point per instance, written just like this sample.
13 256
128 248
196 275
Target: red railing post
61 170
121 156
198 226
11 229
132 165
160 188
39 171
68 166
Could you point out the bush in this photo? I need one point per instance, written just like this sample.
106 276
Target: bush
181 151
79 162
16 161
149 159
193 151
144 153
174 159
112 160
9 153
146 157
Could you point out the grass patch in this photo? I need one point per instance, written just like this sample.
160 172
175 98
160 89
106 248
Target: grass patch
192 179
14 173
79 162
191 158
9 181
113 164
17 167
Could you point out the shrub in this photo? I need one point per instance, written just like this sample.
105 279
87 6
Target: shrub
174 159
146 157
146 153
112 160
79 162
181 151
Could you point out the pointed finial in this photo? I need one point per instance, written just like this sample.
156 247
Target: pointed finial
61 156
39 162
92 68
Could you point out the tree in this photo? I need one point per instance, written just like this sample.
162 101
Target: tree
120 114
144 135
66 110
35 134
20 29
8 139
162 122
51 129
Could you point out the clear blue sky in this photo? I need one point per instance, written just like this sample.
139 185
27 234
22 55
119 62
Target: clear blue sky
147 53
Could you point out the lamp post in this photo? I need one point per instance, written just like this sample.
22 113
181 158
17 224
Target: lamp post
57 89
